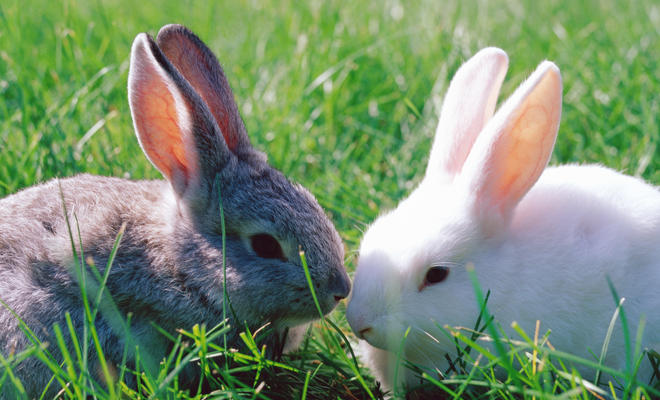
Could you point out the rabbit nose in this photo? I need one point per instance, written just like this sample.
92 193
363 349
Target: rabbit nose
342 286
339 298
342 290
359 324
342 293
363 332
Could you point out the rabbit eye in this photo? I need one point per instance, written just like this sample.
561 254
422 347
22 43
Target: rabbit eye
436 275
266 246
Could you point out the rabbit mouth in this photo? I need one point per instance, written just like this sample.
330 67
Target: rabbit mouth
376 340
306 313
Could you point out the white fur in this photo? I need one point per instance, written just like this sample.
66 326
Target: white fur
542 244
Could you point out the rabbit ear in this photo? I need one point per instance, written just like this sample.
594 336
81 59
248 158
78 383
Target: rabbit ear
467 107
173 124
515 147
199 66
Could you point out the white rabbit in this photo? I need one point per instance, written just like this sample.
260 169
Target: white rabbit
543 242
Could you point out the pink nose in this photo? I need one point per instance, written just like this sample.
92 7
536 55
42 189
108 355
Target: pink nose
360 327
362 333
361 323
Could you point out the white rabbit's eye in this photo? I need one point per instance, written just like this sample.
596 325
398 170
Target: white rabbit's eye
436 275
266 246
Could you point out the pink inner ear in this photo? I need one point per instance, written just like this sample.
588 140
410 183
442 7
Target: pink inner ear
530 150
517 144
157 118
198 69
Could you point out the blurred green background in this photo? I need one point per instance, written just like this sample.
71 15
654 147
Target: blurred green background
342 95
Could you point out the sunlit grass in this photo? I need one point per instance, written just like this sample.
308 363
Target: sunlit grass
344 98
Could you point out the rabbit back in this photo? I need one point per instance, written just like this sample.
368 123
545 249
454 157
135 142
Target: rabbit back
37 279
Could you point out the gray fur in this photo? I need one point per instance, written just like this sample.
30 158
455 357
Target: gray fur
168 269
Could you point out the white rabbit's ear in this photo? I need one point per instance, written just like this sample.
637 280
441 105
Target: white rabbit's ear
515 147
174 126
468 106
199 66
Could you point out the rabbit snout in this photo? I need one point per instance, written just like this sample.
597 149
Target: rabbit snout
335 289
379 331
341 285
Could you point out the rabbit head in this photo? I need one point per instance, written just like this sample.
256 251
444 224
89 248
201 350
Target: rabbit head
188 125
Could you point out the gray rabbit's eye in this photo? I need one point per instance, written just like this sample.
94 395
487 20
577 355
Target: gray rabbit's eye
266 246
436 275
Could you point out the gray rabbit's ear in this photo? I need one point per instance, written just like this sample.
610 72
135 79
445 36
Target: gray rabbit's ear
199 66
174 125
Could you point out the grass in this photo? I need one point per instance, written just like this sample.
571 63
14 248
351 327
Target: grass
343 97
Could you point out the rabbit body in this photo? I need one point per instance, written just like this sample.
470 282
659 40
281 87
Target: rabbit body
168 269
544 248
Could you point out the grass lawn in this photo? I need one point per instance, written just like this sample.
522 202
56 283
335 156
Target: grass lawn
343 96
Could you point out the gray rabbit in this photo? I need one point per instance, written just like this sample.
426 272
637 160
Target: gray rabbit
168 270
